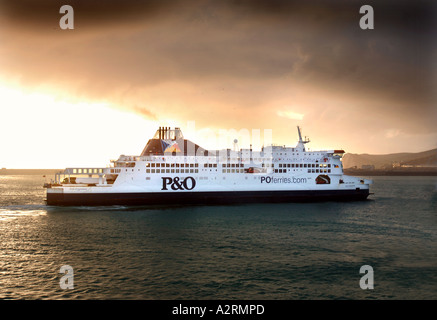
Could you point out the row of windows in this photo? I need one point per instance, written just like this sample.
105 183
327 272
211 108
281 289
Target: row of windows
304 165
89 171
173 165
227 171
172 170
210 165
235 165
223 171
232 170
239 165
309 170
321 171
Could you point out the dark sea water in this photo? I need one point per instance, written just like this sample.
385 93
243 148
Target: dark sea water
247 252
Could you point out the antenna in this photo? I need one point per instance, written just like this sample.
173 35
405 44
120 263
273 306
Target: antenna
235 145
300 136
302 142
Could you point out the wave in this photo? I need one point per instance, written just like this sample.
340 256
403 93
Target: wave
16 211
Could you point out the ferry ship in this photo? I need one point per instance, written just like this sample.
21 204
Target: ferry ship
172 170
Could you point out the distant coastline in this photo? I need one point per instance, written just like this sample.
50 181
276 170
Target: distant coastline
392 172
395 164
28 171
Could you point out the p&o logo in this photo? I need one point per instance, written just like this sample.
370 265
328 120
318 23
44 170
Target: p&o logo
177 184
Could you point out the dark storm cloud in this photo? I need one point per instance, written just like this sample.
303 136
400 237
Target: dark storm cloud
87 12
398 15
398 55
256 47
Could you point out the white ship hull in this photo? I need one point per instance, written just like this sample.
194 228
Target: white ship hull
277 174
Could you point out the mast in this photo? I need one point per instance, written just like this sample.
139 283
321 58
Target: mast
300 135
301 143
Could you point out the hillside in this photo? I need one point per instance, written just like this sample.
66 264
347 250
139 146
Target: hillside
385 161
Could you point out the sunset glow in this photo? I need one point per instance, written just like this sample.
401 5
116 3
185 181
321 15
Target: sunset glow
39 131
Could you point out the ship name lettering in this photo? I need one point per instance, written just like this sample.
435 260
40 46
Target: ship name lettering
283 180
177 184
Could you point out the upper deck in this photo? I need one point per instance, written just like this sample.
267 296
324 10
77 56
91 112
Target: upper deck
168 152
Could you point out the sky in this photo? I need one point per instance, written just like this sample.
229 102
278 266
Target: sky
84 96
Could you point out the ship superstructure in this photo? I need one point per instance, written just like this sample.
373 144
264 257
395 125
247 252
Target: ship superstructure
174 170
